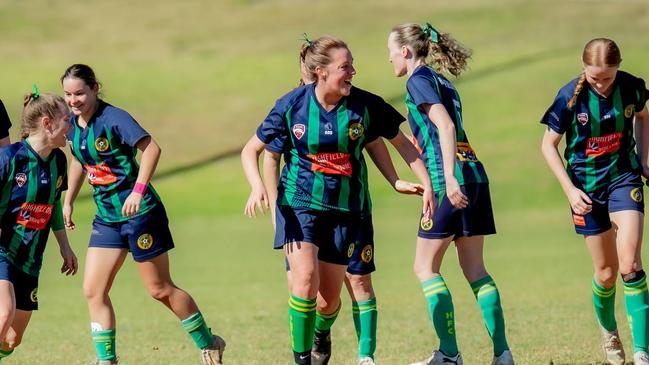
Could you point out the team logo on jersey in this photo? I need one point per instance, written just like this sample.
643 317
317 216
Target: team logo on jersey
21 179
336 163
350 250
426 223
145 241
100 174
33 296
328 129
367 254
582 118
59 182
101 144
356 131
628 111
597 146
636 195
298 130
34 216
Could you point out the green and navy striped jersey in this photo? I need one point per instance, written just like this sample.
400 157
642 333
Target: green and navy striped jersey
30 193
600 145
106 148
325 168
425 86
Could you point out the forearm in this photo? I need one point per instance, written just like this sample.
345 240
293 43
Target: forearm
75 179
250 162
642 137
381 157
554 161
448 146
410 155
271 175
150 157
61 238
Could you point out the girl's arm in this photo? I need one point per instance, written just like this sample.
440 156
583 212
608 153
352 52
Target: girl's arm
75 179
250 161
150 156
579 201
271 179
642 139
70 264
447 139
381 157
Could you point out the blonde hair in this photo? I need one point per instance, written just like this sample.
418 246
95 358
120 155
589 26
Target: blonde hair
36 106
601 52
317 53
436 48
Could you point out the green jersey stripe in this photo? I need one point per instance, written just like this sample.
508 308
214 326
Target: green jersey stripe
593 105
6 189
32 189
428 144
343 146
313 134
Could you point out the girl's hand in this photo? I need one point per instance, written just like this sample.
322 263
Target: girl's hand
67 216
428 199
132 204
258 199
579 202
407 187
70 263
454 193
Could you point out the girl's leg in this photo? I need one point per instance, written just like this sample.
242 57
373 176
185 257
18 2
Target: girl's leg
102 265
470 254
17 330
364 312
7 314
328 307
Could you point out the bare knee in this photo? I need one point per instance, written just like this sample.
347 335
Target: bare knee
328 305
304 284
424 271
161 292
473 273
629 265
13 340
361 287
606 276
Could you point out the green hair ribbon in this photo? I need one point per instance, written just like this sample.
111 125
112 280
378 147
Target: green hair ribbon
36 94
305 38
430 32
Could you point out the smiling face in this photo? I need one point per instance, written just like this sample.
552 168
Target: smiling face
80 97
336 77
397 56
600 78
58 127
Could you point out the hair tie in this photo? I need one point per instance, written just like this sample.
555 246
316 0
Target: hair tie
305 38
35 95
430 32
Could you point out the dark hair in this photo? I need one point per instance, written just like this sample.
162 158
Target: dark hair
82 72
36 106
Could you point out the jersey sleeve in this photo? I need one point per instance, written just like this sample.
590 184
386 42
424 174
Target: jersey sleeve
5 123
57 216
423 90
558 116
278 144
63 172
274 125
128 130
643 95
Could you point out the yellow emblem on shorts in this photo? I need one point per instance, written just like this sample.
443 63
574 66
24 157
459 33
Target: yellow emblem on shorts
101 144
628 111
350 250
636 195
59 182
426 223
367 254
33 296
356 131
145 241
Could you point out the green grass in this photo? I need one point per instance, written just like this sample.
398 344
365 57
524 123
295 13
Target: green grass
200 76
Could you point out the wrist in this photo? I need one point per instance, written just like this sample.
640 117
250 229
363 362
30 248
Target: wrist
139 188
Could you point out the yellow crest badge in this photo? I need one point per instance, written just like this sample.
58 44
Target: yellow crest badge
145 241
367 254
59 182
33 296
636 195
426 223
356 130
101 144
628 111
350 250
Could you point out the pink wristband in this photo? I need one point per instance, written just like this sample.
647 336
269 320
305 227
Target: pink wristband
139 188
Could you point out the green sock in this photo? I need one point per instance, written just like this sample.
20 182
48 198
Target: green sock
636 299
5 353
486 293
323 322
104 344
197 328
440 308
365 318
301 319
604 303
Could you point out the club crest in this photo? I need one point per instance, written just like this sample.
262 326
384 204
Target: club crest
298 130
21 179
582 118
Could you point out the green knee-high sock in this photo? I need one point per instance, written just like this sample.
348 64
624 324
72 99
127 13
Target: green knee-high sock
486 293
440 308
104 344
636 300
604 303
323 322
365 316
301 318
197 328
5 353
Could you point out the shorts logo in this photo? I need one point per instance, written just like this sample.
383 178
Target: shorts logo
367 254
628 111
426 223
101 144
636 195
356 131
582 118
21 179
350 250
579 220
145 241
298 130
33 296
59 182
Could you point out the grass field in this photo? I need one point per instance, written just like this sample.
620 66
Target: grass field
200 75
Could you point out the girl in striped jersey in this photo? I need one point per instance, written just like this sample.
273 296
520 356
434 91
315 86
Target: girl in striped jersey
463 207
321 192
130 214
32 178
597 112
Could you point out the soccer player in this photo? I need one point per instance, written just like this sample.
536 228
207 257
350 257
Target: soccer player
320 194
463 210
597 112
130 215
5 125
32 178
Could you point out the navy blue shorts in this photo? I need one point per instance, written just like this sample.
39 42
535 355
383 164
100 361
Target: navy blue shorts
625 194
25 285
332 231
146 236
362 249
477 219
